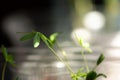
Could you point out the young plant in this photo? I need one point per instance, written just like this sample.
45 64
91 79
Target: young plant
8 59
81 74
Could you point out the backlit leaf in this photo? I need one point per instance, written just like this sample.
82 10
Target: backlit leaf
36 40
4 51
27 36
10 59
53 37
46 40
74 77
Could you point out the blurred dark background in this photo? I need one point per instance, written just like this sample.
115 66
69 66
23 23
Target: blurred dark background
44 16
38 12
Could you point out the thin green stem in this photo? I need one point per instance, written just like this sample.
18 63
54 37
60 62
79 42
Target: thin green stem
67 66
85 61
3 72
63 52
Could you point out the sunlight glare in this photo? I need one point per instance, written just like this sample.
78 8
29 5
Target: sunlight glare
59 64
83 33
116 40
94 20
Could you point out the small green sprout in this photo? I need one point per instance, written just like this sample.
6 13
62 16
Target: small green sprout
8 59
85 45
81 74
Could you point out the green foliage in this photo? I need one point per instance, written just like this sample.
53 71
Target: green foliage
81 74
8 58
53 37
4 51
74 77
101 75
92 75
100 59
37 36
83 44
27 36
36 40
46 40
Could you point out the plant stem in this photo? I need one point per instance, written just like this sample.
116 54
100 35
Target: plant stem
63 52
3 72
85 61
67 66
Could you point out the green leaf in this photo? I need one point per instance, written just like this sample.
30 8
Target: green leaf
101 75
36 40
74 77
17 78
27 36
80 40
87 46
100 59
81 73
10 59
83 44
91 75
53 37
46 40
4 51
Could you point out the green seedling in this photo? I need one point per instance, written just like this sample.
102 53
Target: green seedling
81 74
8 59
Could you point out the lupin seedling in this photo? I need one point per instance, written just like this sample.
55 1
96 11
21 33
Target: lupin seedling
9 59
82 73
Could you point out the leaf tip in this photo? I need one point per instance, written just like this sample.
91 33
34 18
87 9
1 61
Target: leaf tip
36 44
